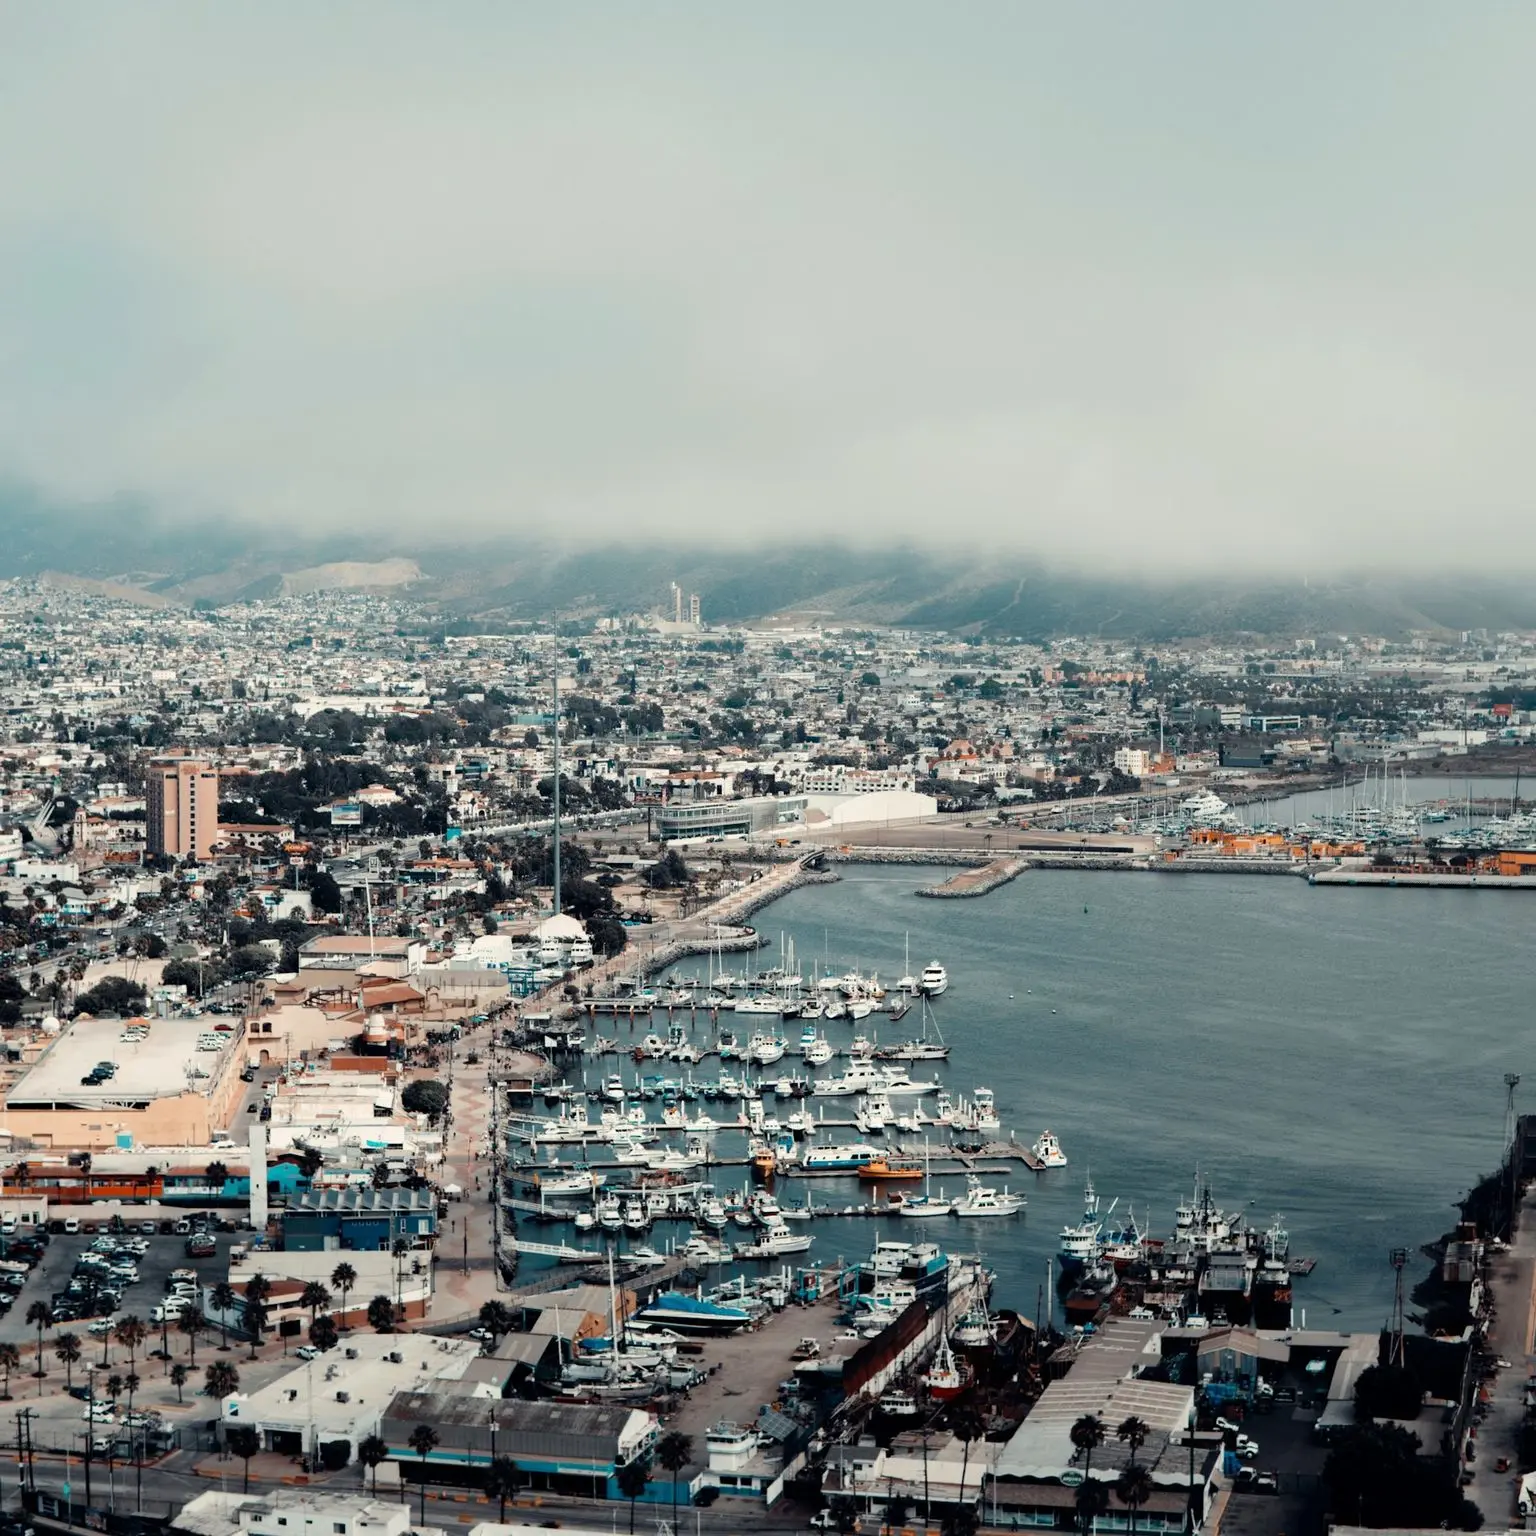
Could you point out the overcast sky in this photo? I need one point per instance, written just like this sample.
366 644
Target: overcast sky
1177 283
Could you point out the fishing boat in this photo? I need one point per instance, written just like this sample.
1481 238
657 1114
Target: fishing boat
1079 1243
898 1405
947 1377
1048 1150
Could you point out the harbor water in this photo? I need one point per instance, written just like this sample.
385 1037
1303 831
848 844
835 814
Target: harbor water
1334 1056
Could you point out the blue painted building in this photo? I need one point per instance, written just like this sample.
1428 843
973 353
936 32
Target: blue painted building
365 1219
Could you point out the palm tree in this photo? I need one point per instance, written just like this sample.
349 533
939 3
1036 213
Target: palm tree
314 1297
223 1298
130 1332
423 1441
967 1425
371 1452
632 1480
501 1481
41 1314
1133 1432
192 1322
674 1452
1088 1434
381 1315
244 1442
220 1379
67 1347
343 1277
10 1360
216 1174
255 1315
1133 1488
179 1374
115 1385
322 1332
1092 1501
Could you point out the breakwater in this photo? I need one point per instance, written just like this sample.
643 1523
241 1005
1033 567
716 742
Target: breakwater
977 882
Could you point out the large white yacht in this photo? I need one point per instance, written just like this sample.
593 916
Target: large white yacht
982 1200
934 980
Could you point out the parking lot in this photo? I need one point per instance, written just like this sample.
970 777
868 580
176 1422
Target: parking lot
165 1252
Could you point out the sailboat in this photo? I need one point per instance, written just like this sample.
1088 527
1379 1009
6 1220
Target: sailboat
921 1049
917 1207
908 985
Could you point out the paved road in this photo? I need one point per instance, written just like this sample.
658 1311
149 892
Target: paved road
1513 1275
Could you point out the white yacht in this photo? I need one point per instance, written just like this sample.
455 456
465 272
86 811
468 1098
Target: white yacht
712 1212
764 1050
1048 1150
759 1005
860 1077
873 1115
610 1214
982 1200
897 1084
934 980
613 1089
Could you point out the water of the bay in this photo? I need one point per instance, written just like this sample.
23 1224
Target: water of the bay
1334 1055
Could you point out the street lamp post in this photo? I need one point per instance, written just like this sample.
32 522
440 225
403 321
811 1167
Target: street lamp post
90 1425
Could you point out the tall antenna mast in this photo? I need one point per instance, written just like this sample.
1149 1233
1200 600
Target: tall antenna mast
555 680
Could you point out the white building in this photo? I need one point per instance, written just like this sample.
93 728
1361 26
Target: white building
1135 761
342 1394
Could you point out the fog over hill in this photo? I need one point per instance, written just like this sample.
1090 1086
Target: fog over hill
130 551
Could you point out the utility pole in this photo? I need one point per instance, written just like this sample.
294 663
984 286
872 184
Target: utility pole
1398 1258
